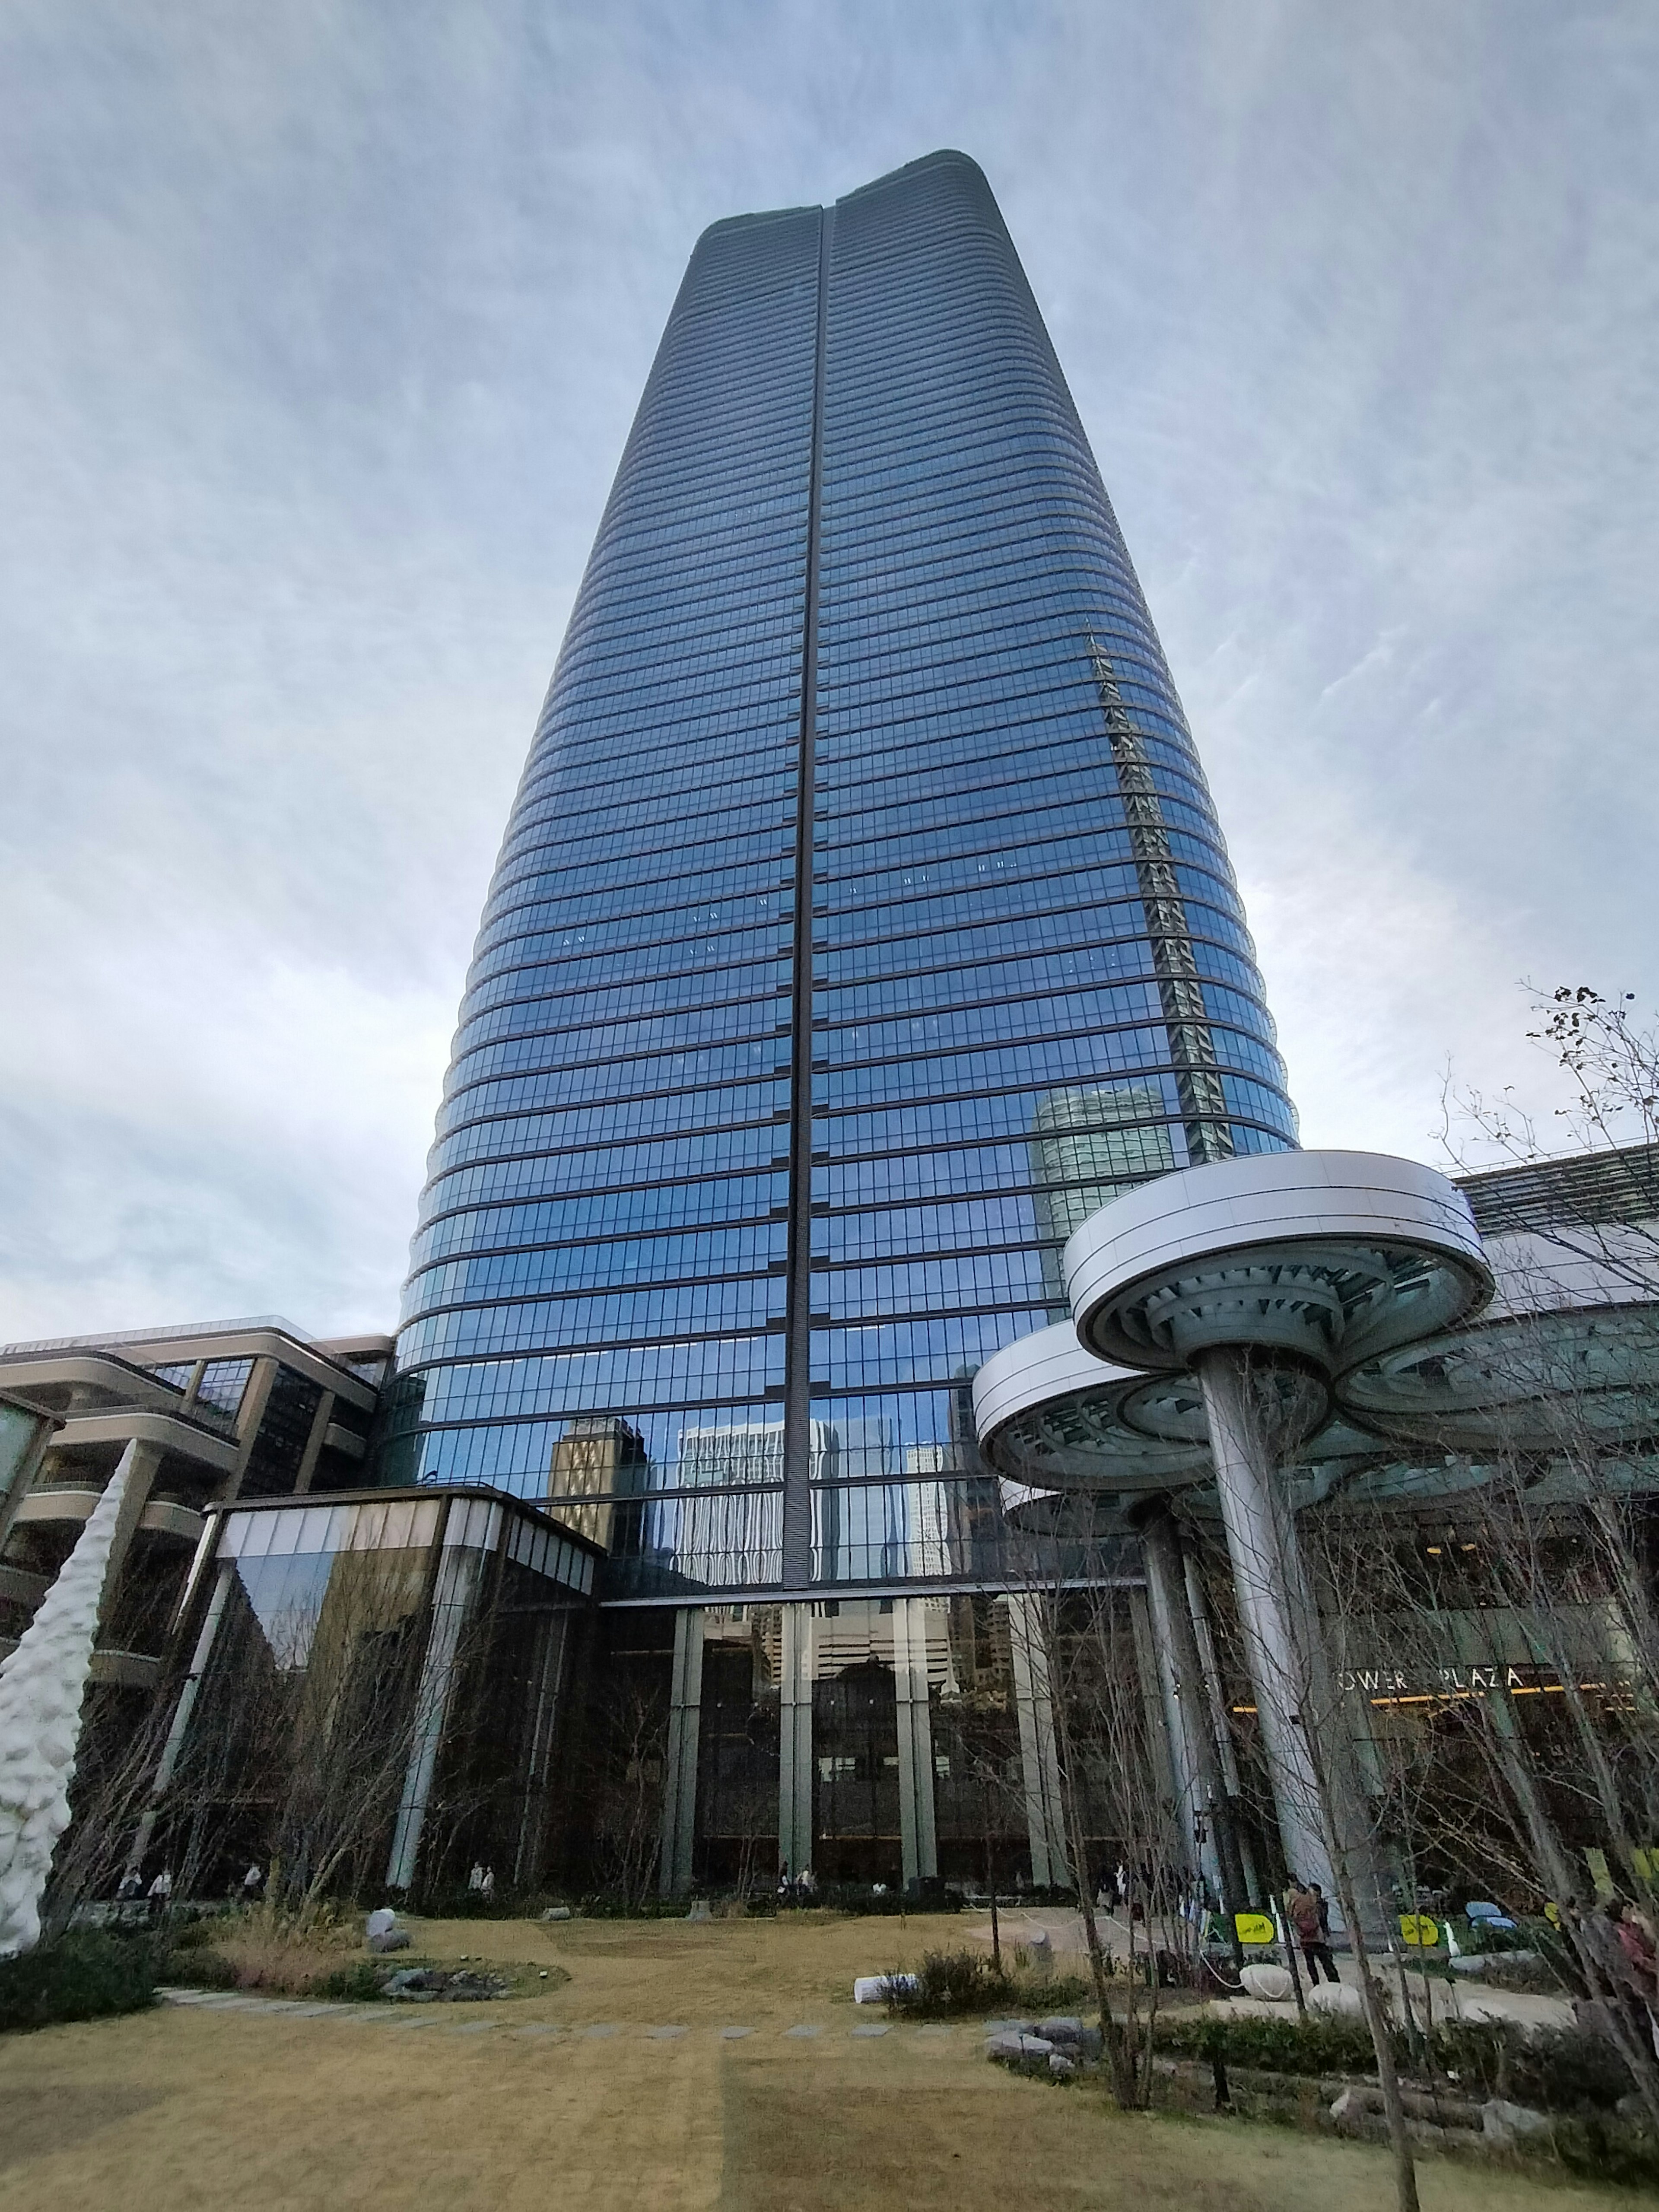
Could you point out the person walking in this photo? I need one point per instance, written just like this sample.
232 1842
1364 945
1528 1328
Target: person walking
1307 1913
160 1896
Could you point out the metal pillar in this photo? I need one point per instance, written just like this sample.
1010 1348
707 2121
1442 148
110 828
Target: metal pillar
1303 1729
1187 1704
1198 1607
795 1822
1173 1778
918 1836
1039 1757
679 1798
546 1701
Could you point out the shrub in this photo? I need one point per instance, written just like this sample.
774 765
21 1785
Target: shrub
86 1975
951 1981
1038 1994
863 1900
1278 2047
360 1983
1560 2070
1602 2150
199 1968
1481 1939
196 1934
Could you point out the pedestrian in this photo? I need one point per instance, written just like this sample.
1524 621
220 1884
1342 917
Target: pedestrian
487 1885
252 1882
1637 1949
160 1895
1310 1917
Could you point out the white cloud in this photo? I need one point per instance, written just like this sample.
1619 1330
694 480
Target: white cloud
324 327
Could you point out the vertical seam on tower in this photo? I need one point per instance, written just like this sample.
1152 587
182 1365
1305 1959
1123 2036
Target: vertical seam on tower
798 1341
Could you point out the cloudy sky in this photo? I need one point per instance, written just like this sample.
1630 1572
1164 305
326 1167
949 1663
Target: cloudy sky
324 326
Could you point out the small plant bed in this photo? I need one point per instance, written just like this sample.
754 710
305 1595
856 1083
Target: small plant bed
959 1984
359 1981
445 1985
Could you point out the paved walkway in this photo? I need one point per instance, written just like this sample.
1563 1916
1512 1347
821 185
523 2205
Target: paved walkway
1465 1998
463 2018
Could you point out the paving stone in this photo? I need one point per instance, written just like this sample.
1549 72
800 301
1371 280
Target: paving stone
868 2031
473 2026
536 2027
802 2031
605 2028
731 2034
663 2034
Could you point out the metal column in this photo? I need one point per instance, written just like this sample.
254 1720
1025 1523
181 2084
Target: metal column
1186 1702
795 1822
918 1836
1198 1607
1039 1757
679 1799
1303 1730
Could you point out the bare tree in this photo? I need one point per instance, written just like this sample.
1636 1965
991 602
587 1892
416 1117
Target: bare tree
623 1787
1084 1647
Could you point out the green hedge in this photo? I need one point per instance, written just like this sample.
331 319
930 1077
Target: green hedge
1278 2047
86 1975
1561 2072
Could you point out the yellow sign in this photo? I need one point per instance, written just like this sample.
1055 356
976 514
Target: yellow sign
1418 1930
1254 1927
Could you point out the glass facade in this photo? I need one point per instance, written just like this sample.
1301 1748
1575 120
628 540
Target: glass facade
862 923
382 1680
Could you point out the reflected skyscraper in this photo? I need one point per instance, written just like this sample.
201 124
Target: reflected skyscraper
862 916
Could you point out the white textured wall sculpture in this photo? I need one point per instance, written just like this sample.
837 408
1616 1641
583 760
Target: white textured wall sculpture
42 1685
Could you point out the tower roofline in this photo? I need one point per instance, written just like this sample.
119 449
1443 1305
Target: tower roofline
942 157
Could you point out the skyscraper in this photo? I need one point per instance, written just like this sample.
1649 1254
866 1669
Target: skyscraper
862 921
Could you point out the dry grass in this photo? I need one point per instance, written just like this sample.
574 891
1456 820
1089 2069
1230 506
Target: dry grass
184 2110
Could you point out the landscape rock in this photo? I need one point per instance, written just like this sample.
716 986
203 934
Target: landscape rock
556 1912
1504 2124
1335 2000
1060 2066
1061 2027
420 1983
1478 1963
879 1988
700 1911
1270 1983
1023 2051
389 1939
443 1986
